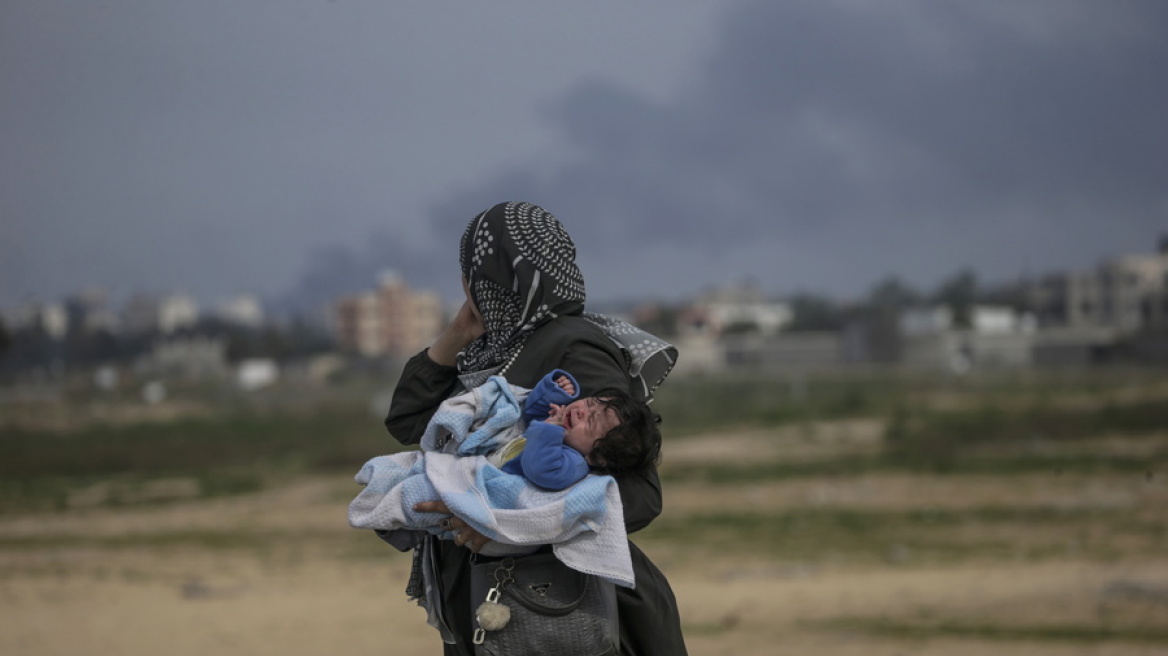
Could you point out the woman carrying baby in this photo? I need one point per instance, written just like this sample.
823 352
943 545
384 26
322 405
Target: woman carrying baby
523 317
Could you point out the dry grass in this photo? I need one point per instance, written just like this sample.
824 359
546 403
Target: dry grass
878 562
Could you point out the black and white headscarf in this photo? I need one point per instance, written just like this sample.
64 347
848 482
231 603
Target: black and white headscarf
520 264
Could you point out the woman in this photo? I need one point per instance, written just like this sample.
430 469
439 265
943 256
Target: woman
524 316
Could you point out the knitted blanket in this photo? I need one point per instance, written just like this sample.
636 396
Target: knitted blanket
477 422
516 515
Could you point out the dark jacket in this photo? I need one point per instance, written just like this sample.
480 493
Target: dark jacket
648 614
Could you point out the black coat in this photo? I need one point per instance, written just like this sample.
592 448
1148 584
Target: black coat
649 619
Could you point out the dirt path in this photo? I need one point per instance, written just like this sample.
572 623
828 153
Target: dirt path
281 573
140 603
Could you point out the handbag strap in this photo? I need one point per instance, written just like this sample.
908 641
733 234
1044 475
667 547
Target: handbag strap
506 584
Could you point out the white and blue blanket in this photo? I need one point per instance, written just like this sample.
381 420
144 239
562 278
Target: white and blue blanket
584 523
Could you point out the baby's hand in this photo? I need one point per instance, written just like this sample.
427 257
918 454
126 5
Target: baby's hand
555 414
565 384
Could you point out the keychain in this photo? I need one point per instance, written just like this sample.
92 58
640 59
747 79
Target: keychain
492 615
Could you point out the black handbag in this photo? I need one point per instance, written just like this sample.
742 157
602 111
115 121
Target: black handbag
553 609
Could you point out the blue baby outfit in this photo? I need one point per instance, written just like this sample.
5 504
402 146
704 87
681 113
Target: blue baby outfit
546 461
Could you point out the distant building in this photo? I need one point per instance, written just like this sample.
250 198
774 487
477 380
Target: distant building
89 312
1126 294
698 354
357 324
52 318
188 357
1117 310
739 328
984 319
160 314
997 337
256 373
243 310
410 320
756 353
784 351
734 310
391 320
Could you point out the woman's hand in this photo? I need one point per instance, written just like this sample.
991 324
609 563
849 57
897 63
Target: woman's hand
464 328
465 536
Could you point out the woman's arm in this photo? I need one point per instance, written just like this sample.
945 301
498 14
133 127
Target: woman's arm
423 386
641 497
430 377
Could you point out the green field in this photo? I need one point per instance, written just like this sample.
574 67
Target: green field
913 511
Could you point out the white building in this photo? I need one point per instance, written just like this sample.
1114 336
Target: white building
735 309
191 357
256 373
52 318
998 337
162 314
89 311
984 320
242 310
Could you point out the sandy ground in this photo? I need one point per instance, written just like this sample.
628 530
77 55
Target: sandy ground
324 607
280 572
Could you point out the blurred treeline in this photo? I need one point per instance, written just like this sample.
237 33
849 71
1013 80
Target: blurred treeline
85 448
30 352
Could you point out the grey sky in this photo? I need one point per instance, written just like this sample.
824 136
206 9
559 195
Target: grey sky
225 146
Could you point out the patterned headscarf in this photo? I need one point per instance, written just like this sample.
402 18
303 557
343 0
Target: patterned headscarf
520 265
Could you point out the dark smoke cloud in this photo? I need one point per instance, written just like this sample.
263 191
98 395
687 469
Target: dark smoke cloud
913 137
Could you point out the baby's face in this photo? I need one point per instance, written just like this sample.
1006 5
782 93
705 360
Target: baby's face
584 421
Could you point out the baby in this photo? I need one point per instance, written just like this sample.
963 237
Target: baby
567 436
504 467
